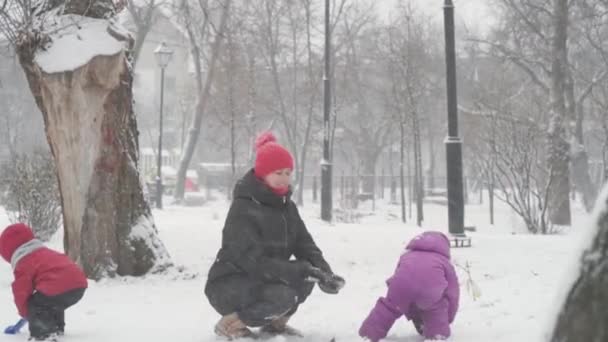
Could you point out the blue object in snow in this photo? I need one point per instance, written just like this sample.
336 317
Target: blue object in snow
14 329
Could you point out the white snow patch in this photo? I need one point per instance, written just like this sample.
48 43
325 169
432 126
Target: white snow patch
517 273
75 40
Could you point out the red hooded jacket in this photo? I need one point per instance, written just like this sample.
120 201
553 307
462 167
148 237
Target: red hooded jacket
36 267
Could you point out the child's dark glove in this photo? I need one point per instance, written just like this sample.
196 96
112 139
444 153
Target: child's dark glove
328 282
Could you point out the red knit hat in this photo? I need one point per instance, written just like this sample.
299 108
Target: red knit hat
12 238
270 155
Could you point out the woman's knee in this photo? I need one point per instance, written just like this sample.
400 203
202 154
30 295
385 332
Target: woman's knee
280 293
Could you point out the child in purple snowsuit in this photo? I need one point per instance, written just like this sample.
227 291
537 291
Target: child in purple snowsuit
424 289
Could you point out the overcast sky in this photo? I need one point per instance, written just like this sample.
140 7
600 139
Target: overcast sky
475 14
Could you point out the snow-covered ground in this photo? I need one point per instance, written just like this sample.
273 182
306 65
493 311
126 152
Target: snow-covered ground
519 275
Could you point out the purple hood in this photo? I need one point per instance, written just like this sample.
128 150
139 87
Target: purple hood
431 242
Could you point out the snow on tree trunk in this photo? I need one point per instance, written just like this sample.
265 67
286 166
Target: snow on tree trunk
82 83
559 148
584 313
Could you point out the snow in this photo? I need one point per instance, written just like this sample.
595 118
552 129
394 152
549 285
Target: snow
518 276
75 40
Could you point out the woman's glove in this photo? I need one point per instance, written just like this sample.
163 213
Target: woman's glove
333 284
327 281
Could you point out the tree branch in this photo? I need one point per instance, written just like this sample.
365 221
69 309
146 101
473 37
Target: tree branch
600 77
517 60
527 20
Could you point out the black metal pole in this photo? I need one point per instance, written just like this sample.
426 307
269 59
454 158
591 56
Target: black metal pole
326 165
453 143
159 178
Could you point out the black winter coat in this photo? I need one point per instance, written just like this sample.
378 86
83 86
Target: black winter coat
262 232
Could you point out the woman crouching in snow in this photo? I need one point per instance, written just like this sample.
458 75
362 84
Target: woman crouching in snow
253 282
424 289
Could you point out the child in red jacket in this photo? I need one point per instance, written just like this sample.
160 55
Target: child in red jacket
46 282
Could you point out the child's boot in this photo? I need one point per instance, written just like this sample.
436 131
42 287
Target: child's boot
60 320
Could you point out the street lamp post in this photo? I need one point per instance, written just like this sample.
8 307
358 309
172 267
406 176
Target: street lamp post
453 143
326 164
163 57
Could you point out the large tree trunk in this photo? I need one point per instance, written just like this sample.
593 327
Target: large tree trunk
585 311
581 176
579 157
559 148
92 131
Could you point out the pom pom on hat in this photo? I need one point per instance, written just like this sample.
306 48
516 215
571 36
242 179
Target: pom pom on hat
263 139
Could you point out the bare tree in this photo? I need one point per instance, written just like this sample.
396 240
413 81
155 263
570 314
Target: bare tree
286 48
600 101
559 146
509 150
410 55
32 192
504 135
533 36
400 117
198 41
231 99
505 131
367 129
593 32
143 13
